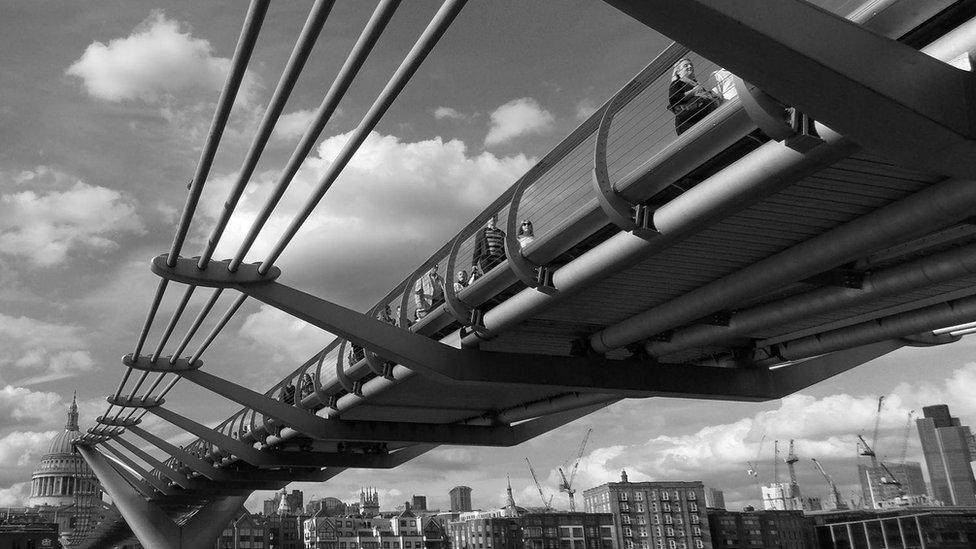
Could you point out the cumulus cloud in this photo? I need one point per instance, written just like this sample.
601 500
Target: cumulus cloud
825 428
20 451
15 496
517 118
288 337
21 406
293 124
391 203
158 59
44 351
56 215
442 113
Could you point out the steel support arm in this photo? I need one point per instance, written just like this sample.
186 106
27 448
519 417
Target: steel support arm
878 92
177 477
156 483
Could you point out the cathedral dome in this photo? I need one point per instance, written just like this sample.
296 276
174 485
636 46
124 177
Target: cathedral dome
62 475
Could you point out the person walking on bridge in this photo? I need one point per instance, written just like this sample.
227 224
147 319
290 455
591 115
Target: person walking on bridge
489 246
428 292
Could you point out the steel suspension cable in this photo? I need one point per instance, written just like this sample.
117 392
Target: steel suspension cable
293 68
356 59
434 31
245 46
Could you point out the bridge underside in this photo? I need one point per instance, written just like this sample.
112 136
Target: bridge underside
777 243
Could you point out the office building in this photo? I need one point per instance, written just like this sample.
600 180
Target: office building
755 529
878 488
418 503
653 515
947 447
401 531
460 498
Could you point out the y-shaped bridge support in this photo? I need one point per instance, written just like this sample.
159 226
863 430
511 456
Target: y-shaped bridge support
153 527
882 94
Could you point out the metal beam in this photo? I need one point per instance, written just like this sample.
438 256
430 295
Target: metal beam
878 92
156 483
177 477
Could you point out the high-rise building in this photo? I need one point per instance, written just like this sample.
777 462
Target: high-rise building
946 445
652 515
877 489
781 496
460 498
418 503
714 498
535 531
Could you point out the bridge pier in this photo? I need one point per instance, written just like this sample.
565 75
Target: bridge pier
152 526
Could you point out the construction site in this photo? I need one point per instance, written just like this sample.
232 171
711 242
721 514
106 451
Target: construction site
883 483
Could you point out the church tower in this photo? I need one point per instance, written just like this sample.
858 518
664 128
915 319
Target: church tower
369 502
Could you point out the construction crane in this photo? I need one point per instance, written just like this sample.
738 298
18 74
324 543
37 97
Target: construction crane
753 469
905 435
838 501
868 450
790 460
547 503
567 484
776 461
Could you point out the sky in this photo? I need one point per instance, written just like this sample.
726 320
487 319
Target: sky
104 107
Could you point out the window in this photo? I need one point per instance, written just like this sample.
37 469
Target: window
699 544
654 506
641 519
691 494
693 507
625 519
656 519
664 494
670 532
623 496
696 530
639 496
695 519
653 494
629 544
676 508
672 544
667 507
668 519
628 532
677 494
640 508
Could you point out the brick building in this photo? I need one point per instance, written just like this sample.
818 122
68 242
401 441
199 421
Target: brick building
759 530
653 515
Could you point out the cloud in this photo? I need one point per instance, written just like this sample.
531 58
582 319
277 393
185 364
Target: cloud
16 495
157 60
46 350
442 113
585 108
20 451
392 203
287 336
294 124
21 406
825 428
44 223
517 118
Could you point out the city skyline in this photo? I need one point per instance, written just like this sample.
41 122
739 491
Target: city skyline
93 172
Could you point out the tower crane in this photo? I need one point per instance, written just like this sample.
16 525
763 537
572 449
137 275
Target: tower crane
753 469
904 438
567 484
547 503
867 450
776 461
838 501
790 460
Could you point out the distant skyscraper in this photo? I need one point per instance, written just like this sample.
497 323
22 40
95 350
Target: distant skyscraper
714 498
419 503
460 498
946 445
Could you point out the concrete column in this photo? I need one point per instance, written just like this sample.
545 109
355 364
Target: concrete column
152 527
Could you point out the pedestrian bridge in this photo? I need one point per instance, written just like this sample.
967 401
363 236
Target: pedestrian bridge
816 217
